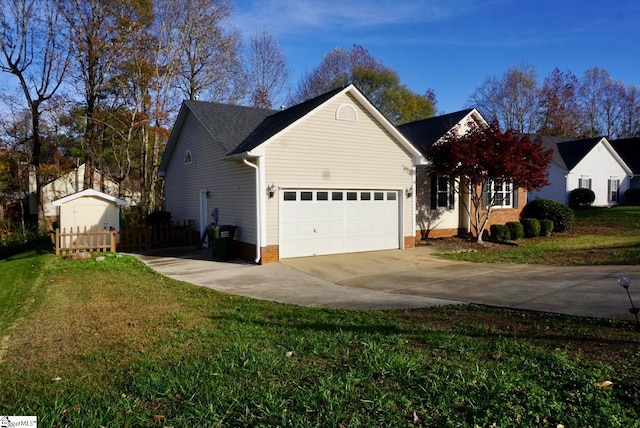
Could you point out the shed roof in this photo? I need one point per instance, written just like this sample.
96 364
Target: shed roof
88 192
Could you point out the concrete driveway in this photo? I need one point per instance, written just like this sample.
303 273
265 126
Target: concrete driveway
409 279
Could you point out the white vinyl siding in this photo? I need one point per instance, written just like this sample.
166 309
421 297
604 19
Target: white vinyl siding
321 152
426 217
232 184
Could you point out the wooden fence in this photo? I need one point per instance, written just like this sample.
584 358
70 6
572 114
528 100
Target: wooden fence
93 239
128 239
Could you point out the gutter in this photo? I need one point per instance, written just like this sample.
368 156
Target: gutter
258 216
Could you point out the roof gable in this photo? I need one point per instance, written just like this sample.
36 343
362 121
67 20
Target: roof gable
425 133
88 192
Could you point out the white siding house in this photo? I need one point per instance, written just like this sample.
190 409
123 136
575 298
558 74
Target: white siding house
328 176
588 163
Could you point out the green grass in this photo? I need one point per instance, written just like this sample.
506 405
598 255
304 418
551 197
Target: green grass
111 343
601 236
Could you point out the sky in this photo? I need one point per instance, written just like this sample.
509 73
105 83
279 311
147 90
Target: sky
452 46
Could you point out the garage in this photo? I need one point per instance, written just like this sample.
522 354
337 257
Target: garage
334 221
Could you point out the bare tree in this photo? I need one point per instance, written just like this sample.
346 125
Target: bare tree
209 64
34 49
630 114
512 100
267 73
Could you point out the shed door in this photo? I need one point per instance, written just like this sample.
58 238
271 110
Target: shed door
328 221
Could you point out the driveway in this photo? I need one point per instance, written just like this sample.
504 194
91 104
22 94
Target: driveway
408 279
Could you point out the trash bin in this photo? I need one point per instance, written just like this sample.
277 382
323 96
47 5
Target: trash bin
221 242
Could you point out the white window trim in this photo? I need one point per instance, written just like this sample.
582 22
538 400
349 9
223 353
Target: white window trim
508 184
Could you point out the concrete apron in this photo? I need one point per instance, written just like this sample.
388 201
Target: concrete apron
411 278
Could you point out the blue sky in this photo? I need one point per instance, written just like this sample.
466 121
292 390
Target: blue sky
451 46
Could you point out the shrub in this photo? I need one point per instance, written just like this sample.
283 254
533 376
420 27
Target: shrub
546 227
516 230
632 197
546 209
500 232
531 227
581 198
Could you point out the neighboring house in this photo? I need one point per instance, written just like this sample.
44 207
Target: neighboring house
629 151
89 209
72 182
587 163
328 176
441 208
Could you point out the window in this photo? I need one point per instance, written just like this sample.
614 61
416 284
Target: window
289 196
352 196
365 196
306 196
502 194
322 196
378 196
391 196
442 192
614 187
584 182
336 196
187 157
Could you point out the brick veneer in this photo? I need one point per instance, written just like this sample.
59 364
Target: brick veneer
409 242
246 251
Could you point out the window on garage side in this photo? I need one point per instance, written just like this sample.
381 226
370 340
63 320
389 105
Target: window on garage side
336 196
365 196
306 196
391 196
352 196
378 196
322 196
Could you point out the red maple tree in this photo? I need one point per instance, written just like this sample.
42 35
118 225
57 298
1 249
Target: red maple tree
485 155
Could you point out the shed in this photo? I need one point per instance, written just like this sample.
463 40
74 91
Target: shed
89 208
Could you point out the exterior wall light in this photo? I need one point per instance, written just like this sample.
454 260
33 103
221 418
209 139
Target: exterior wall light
410 191
271 190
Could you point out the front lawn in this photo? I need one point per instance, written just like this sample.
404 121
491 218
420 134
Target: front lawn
111 343
601 236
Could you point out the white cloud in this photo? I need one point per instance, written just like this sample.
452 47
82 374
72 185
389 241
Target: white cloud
302 16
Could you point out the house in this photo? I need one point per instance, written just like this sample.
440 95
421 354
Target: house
330 175
585 163
629 150
89 209
70 183
441 206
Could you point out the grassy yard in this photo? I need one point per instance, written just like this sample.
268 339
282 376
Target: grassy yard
600 236
110 343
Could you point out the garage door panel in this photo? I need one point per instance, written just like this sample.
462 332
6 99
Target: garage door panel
360 221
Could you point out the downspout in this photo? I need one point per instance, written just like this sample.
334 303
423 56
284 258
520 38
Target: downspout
258 216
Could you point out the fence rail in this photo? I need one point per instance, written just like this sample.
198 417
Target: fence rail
132 238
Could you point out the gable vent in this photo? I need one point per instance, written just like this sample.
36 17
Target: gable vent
347 112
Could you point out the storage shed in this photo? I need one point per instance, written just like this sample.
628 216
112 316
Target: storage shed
89 208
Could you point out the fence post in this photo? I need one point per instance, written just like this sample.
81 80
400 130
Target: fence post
57 243
113 240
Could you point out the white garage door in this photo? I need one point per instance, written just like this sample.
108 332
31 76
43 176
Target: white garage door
315 222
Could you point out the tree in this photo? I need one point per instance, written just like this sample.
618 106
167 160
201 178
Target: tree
512 100
630 114
267 73
601 100
560 114
209 66
483 156
34 49
380 84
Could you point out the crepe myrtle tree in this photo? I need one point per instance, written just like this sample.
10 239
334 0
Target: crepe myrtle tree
482 156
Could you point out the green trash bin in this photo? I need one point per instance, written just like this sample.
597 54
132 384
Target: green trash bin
221 242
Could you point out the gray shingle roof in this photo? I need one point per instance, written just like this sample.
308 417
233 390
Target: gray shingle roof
424 133
629 151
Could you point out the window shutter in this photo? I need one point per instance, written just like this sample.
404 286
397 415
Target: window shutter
434 191
589 184
486 188
617 190
514 198
452 193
